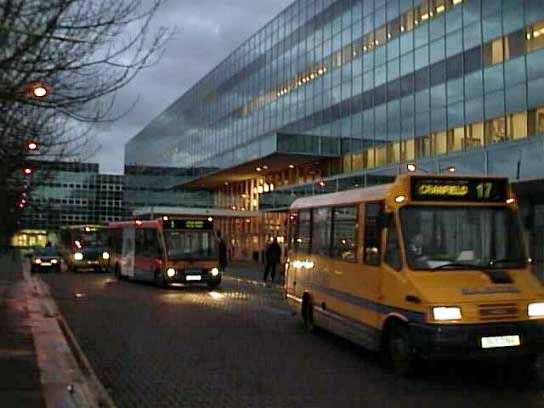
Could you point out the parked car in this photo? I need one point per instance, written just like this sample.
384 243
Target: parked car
45 260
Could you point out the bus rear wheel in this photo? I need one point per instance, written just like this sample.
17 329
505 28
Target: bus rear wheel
307 313
399 350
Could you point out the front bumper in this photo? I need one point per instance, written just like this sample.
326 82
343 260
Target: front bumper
90 264
194 278
463 341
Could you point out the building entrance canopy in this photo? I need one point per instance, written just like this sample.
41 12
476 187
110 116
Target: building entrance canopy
271 153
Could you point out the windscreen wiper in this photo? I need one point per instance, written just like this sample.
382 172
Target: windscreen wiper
493 262
458 265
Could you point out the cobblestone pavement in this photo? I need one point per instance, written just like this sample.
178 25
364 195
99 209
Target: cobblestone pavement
240 347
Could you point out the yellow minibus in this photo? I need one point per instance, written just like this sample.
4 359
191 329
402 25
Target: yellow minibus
428 266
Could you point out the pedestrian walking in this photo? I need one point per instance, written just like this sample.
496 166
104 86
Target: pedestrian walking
273 257
222 249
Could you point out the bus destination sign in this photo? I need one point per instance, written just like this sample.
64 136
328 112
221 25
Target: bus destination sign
189 224
459 189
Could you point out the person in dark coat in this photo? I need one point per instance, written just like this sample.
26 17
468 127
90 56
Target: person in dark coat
273 257
222 249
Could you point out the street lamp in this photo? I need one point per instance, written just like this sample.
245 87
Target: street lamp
27 171
32 146
38 89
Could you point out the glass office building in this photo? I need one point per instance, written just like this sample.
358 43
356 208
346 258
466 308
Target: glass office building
335 94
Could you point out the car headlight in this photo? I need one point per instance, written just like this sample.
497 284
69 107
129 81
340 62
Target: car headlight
535 309
54 261
37 261
215 271
105 255
78 256
446 313
171 272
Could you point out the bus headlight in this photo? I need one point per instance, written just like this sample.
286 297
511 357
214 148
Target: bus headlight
535 309
171 272
78 256
446 313
214 271
54 261
105 255
37 261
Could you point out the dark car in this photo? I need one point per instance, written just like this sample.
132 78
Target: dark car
45 260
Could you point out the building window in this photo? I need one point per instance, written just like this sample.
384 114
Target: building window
441 142
456 139
493 52
495 130
517 125
424 146
475 135
535 37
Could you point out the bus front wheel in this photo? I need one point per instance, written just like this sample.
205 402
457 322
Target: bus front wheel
117 272
399 350
160 281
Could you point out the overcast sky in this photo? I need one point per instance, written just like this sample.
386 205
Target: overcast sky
207 32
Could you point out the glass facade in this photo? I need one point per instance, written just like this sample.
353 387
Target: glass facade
441 82
397 80
152 186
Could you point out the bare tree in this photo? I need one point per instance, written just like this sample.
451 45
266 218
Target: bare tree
84 51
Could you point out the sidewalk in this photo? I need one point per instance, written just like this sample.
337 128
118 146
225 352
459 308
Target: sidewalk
20 384
41 364
253 272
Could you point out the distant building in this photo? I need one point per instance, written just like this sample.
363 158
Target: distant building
68 194
65 193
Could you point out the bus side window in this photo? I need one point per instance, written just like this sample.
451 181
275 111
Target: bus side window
303 238
392 252
373 233
321 231
139 242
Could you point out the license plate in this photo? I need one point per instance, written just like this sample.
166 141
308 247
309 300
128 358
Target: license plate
500 341
46 264
194 278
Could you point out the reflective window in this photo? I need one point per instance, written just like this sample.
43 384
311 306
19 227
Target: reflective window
302 242
392 251
372 244
321 231
344 233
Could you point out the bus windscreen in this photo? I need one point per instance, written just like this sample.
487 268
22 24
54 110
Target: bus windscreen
184 244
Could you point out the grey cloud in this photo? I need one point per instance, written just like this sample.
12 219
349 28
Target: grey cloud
207 32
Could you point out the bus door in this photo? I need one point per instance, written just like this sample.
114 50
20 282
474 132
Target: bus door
370 288
127 259
147 251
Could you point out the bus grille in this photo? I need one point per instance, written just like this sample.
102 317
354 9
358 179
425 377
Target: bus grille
498 311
